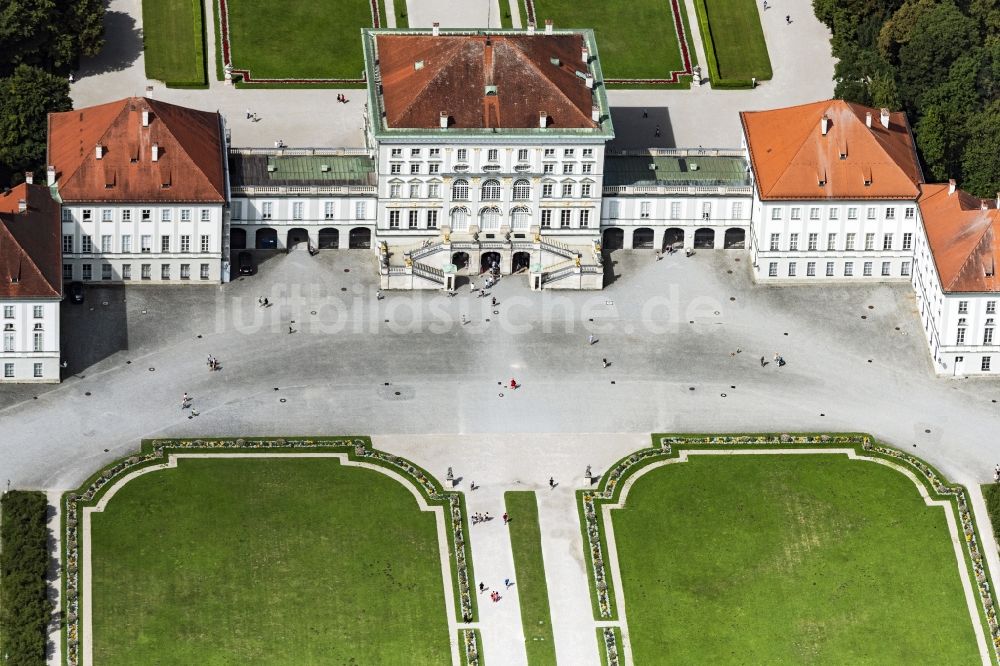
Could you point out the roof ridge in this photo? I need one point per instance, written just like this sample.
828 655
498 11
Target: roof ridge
521 55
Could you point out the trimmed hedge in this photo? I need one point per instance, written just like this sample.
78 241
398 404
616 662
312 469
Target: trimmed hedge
714 76
24 558
991 493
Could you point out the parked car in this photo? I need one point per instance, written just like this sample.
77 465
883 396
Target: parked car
246 263
75 292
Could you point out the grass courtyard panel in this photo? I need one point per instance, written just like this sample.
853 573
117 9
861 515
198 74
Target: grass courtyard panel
737 39
529 570
267 561
788 559
291 39
173 41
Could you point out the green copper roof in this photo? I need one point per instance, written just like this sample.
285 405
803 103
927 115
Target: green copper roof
690 170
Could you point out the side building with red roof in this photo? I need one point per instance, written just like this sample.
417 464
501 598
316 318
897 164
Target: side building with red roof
30 284
834 196
144 188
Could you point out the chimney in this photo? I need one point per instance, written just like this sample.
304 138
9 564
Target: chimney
884 117
22 205
824 124
983 205
435 28
149 92
145 118
50 175
589 80
99 151
418 64
444 120
868 119
531 28
585 54
156 151
543 119
548 26
595 113
951 186
29 177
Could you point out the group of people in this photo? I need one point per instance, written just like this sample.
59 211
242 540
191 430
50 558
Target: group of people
213 363
342 98
996 473
481 518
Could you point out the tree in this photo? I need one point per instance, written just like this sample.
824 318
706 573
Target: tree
981 159
939 37
26 99
942 130
49 34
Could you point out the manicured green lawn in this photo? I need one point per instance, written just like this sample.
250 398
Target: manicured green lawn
296 39
173 41
788 559
529 572
635 40
279 561
737 38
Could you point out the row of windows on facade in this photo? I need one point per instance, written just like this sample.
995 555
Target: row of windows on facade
38 339
490 190
984 364
490 219
145 271
834 213
145 243
492 154
37 311
434 168
646 210
850 241
298 210
987 334
8 370
145 214
867 267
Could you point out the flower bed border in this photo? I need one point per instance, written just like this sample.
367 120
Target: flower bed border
357 449
472 644
666 446
682 41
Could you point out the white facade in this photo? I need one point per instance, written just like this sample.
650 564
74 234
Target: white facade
30 351
142 242
301 217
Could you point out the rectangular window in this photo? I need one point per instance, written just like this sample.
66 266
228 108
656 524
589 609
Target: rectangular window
126 271
433 168
164 271
106 215
796 213
394 219
237 210
546 218
834 213
164 243
886 241
568 168
585 190
414 152
37 369
328 210
829 269
909 213
146 243
886 268
547 191
395 190
960 336
568 152
565 216
813 240
814 213
706 210
831 242
106 243
166 215
775 242
67 215
984 366
613 210
811 269
434 191
37 311
397 152
186 212
432 219
297 207
360 210
67 271
146 214
793 242
265 210
522 155
852 213
867 269
204 271
567 190
414 190
550 152
869 242
414 169
871 213
775 213
396 168
205 243
584 219
185 271
991 307
462 154
737 210
645 207
849 241
8 342
88 245
988 335
86 214
963 307
8 370
791 269
87 272
68 244
413 218
492 155
105 271
908 241
548 167
587 168
434 152
848 268
185 243
890 213
772 269
588 152
904 268
8 312
675 210
147 271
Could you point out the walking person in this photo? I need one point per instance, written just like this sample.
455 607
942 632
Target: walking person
591 339
513 384
552 482
762 362
472 287
788 19
506 518
605 362
185 401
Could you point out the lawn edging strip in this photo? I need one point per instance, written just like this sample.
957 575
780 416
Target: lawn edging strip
595 505
529 574
162 453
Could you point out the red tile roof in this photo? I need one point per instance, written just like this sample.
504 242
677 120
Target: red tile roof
189 166
792 159
424 75
30 254
964 237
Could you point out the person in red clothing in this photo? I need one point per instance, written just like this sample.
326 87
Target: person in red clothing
513 383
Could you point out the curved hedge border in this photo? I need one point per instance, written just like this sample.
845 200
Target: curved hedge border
668 446
25 608
358 449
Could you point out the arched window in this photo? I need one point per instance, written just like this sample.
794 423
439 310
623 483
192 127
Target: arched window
491 190
460 190
489 218
522 190
520 218
460 219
